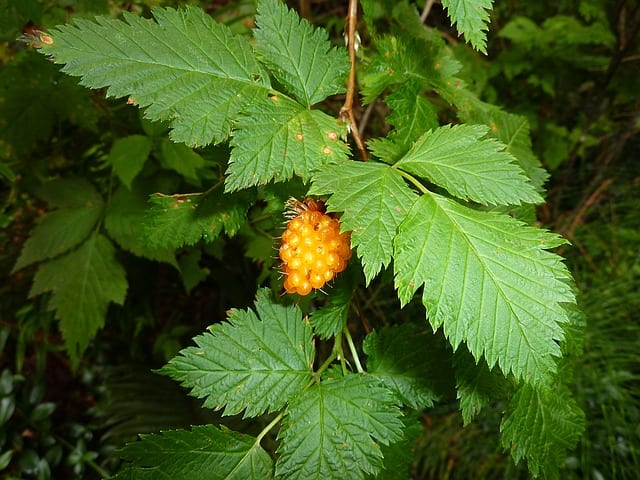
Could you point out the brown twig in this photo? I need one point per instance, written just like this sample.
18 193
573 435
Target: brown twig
593 199
305 9
346 112
427 8
363 319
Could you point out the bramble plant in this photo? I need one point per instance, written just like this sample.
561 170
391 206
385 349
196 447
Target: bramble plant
447 210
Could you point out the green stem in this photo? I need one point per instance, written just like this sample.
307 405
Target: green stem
412 180
335 353
272 424
352 348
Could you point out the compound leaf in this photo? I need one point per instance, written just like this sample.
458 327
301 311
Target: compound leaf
396 357
183 66
455 157
254 362
204 453
83 284
489 280
299 55
183 219
333 427
65 228
471 18
540 426
374 199
279 138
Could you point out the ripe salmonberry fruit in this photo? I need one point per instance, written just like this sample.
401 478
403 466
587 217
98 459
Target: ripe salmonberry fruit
313 250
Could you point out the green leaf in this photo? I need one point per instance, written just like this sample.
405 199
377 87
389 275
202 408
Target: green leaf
192 272
34 98
471 18
128 155
278 138
412 114
386 150
61 230
489 280
540 426
414 60
183 66
124 221
399 456
177 220
204 453
476 384
255 362
299 56
69 193
455 157
334 427
182 159
396 357
374 200
513 131
83 284
331 319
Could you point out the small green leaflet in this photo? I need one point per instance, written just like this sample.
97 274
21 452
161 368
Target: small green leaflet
278 138
396 356
489 280
255 362
412 114
331 319
59 231
183 219
183 66
421 61
300 56
83 284
374 199
334 427
455 158
124 221
69 193
204 453
128 155
471 18
182 159
540 426
513 131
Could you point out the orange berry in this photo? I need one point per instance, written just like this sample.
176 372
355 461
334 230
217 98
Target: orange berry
313 250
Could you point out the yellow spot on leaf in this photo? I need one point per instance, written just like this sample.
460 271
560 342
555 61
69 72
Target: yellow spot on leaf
44 38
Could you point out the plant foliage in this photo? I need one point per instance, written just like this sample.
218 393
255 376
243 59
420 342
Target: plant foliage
442 211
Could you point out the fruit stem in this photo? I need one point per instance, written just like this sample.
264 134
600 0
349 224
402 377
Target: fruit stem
352 347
